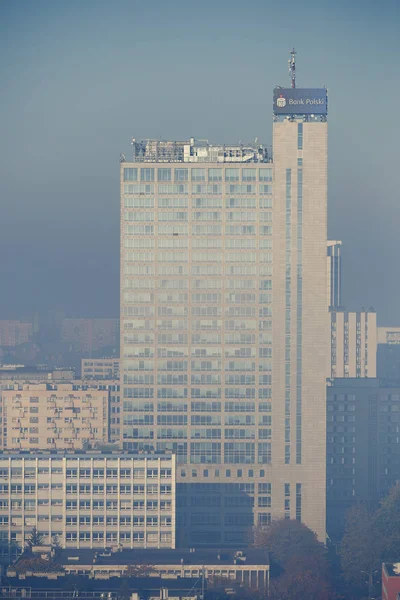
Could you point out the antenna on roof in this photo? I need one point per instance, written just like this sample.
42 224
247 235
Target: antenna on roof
292 67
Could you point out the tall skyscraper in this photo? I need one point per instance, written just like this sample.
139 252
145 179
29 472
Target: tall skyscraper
224 321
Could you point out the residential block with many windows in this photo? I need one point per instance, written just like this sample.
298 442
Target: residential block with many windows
88 501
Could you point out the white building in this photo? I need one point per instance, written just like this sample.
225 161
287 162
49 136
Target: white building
88 500
224 321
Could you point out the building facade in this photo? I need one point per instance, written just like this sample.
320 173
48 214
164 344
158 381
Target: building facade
353 344
334 274
224 324
100 368
352 449
42 416
88 501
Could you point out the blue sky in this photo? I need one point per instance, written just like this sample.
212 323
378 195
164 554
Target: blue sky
80 78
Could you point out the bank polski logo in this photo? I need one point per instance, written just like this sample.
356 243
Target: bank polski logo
281 102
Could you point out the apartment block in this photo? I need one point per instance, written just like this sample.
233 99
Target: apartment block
88 501
353 344
41 416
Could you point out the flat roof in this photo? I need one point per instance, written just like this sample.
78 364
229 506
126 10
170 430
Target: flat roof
96 584
203 556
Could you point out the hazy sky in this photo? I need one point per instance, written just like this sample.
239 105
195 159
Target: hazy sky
79 78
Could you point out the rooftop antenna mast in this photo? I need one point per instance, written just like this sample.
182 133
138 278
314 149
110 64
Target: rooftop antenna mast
292 67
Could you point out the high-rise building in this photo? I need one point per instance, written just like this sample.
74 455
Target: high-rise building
224 321
334 274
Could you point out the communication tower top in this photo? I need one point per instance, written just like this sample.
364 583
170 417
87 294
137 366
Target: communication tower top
292 67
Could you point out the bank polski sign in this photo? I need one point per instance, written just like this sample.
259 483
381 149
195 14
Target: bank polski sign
297 101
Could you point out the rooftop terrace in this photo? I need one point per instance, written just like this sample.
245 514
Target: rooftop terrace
197 151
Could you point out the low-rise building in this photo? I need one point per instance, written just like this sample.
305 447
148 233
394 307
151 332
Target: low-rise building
88 500
249 567
135 588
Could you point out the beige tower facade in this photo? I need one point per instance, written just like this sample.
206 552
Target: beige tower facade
300 316
224 326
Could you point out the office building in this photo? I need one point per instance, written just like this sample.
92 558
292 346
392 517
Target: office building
334 275
353 344
41 416
88 500
224 321
352 452
363 442
100 368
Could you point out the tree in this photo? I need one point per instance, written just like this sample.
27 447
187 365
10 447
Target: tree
288 540
35 539
387 525
301 560
300 581
361 547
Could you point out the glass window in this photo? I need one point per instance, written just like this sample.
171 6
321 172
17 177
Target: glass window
181 174
214 174
231 174
164 175
249 174
130 174
146 174
265 175
198 174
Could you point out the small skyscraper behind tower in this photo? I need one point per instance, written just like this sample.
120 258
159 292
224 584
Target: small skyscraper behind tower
334 259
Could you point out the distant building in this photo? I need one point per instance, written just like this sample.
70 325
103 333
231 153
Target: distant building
390 581
334 275
86 500
388 357
42 416
363 442
353 344
100 368
90 335
351 448
14 333
28 374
